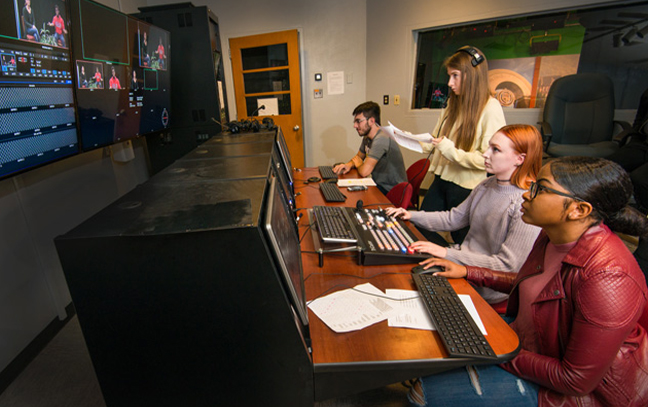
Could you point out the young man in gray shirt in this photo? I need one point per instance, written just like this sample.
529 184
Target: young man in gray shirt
379 155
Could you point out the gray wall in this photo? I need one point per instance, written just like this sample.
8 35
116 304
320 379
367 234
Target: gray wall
370 40
333 38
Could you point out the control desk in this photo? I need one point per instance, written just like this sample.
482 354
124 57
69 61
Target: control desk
348 363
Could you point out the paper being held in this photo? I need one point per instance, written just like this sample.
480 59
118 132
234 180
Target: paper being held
406 139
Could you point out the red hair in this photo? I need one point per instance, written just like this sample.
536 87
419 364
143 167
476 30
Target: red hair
526 140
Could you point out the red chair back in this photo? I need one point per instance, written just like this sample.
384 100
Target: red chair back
415 175
401 195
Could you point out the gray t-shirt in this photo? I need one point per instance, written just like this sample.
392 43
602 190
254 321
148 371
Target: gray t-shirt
390 169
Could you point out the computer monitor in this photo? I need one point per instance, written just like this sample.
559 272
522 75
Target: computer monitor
123 78
284 155
284 182
284 242
37 111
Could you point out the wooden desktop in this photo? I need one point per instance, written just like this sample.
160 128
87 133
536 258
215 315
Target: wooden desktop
347 363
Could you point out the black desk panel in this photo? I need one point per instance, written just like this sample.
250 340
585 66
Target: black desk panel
238 138
211 150
179 298
219 168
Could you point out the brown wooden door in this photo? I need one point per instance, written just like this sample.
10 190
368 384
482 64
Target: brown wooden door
266 72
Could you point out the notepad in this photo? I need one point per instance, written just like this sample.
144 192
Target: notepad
349 182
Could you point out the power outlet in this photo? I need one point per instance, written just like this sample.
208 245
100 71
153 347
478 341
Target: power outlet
386 100
318 93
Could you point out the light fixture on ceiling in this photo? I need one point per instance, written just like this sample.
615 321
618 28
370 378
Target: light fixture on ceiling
628 36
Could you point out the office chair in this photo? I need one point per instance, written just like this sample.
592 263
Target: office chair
415 175
578 117
401 195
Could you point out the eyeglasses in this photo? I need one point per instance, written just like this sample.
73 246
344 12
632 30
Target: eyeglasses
535 188
358 121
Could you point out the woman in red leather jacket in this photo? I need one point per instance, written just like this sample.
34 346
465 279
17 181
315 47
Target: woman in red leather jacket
577 301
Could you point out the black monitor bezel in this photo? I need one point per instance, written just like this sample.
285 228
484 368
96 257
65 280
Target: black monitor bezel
298 301
284 153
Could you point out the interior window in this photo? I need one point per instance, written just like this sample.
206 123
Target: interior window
526 54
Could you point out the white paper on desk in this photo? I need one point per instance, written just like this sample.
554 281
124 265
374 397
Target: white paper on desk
352 309
467 302
411 311
349 182
414 315
406 139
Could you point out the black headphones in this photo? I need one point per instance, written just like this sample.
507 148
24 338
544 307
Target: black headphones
269 123
477 57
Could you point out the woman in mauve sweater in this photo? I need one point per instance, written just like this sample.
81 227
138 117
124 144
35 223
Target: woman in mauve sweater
497 237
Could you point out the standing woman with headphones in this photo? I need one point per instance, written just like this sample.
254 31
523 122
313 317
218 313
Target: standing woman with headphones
462 132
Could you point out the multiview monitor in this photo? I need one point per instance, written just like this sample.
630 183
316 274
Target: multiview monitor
37 111
123 77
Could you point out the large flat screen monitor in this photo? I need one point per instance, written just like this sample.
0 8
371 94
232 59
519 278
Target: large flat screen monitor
37 113
284 241
123 77
285 163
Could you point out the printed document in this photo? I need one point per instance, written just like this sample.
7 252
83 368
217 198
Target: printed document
364 305
406 139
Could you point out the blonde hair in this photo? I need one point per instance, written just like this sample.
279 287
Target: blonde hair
472 99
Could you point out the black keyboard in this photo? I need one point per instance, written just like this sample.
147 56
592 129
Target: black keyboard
331 192
459 333
334 225
326 172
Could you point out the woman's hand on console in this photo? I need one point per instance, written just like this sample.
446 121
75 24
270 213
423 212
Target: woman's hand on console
430 248
401 213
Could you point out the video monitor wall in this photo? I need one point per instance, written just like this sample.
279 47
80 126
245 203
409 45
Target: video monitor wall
37 111
122 75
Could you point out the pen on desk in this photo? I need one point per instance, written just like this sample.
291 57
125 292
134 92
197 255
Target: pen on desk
474 379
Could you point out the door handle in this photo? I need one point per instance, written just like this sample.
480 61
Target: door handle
296 128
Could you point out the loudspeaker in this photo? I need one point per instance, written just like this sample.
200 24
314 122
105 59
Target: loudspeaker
477 57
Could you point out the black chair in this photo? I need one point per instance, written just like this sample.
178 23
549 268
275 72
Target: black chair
633 157
633 154
578 117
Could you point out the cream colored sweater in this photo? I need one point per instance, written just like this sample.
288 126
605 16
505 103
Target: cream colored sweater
465 168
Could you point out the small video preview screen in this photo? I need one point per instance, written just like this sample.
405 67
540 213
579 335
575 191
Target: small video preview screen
122 75
37 111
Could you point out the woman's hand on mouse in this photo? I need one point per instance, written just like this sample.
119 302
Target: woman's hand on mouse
430 248
399 213
451 270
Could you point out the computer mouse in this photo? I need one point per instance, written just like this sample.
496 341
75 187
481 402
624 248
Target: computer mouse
418 269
